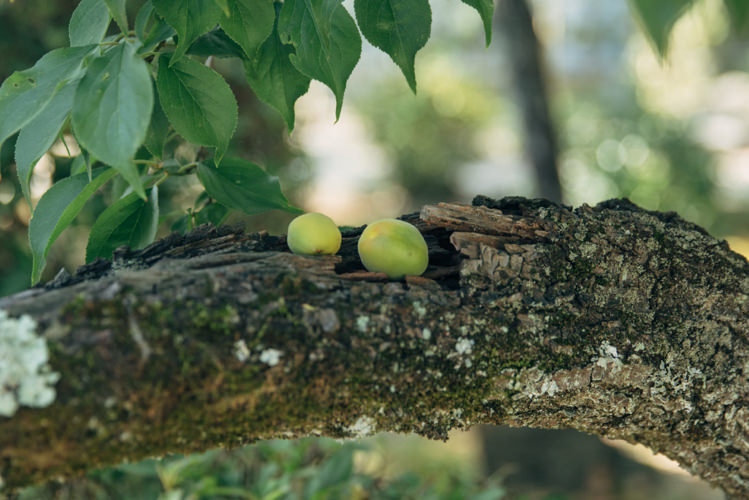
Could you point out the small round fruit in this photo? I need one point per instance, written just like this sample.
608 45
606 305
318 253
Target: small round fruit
313 234
393 247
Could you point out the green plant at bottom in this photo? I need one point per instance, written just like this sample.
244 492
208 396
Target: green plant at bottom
306 469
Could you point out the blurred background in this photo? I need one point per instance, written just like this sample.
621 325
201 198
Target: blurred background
569 102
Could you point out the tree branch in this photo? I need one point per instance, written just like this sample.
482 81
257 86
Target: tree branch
613 320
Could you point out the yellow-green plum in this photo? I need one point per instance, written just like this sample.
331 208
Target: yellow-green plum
313 234
393 247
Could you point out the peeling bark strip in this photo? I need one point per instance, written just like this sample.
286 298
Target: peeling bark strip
612 320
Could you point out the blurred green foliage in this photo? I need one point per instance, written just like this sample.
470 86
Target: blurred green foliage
29 29
308 469
645 157
428 136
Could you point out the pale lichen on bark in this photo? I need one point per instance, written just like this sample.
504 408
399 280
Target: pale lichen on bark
25 375
612 320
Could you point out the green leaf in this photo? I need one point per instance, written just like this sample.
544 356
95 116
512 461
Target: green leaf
242 185
198 102
739 13
183 224
223 5
274 79
112 108
158 131
326 40
118 12
129 171
78 166
24 94
56 210
248 22
159 32
485 9
397 27
117 189
130 221
657 18
213 213
82 164
215 43
144 15
89 23
40 133
189 18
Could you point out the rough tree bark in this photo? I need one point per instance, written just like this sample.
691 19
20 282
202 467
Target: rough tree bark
610 319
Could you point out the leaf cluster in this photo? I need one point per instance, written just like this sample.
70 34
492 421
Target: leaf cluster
130 98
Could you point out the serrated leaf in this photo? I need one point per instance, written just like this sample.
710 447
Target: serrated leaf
88 23
56 210
24 94
216 43
241 185
129 221
739 13
657 18
485 9
198 102
189 18
326 41
40 133
112 108
274 79
397 27
141 19
248 23
118 12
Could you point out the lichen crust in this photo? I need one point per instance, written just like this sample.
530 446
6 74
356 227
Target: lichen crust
26 378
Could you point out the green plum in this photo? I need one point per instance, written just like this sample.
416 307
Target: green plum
313 234
393 247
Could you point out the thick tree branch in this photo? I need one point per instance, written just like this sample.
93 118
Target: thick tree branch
612 320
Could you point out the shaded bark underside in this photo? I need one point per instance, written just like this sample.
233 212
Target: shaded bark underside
610 319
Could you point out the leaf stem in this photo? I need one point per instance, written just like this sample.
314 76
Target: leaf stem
187 169
161 179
